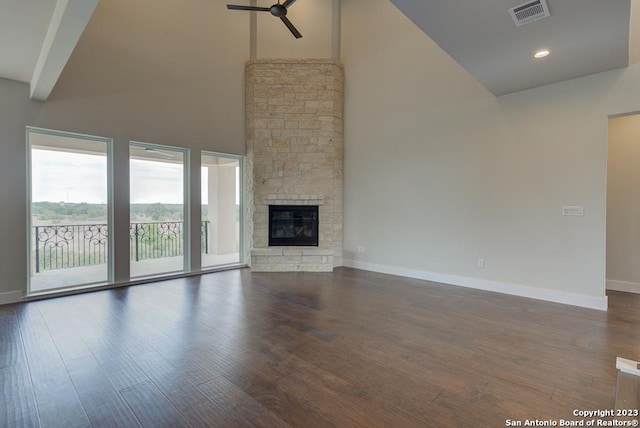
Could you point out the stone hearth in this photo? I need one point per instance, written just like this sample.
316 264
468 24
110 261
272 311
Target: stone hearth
294 156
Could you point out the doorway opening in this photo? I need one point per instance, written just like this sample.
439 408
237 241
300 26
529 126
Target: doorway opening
623 204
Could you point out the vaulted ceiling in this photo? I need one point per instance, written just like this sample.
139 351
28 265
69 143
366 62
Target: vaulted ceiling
37 37
584 37
23 27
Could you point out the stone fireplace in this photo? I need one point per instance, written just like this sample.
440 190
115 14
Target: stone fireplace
294 159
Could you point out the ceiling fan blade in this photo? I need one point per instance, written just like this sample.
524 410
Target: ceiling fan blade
252 8
288 3
290 26
155 151
151 153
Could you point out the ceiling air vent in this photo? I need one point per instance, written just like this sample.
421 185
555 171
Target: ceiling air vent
529 12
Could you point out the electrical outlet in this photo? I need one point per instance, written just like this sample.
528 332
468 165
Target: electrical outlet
360 249
480 263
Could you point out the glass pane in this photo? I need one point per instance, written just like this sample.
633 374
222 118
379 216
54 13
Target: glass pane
157 232
293 225
221 213
69 234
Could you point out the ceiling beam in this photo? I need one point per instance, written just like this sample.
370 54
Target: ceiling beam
69 20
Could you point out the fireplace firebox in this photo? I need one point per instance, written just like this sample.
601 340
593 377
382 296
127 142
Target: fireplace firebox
295 225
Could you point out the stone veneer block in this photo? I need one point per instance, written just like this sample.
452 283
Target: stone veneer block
294 128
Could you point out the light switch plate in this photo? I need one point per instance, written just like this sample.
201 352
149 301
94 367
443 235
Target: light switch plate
573 210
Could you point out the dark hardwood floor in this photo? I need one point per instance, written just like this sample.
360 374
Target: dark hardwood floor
349 349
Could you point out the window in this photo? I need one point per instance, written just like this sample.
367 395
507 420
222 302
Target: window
222 217
158 234
69 207
71 211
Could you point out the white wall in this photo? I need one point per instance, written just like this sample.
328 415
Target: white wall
314 21
161 71
439 173
623 204
16 112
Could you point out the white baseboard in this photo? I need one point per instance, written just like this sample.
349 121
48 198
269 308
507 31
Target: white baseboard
629 287
10 297
599 303
628 366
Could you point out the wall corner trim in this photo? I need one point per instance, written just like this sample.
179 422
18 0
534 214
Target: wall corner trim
10 297
599 303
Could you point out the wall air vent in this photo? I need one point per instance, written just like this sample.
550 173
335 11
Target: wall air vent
529 12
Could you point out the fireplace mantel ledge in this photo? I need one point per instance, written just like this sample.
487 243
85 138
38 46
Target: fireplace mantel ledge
294 200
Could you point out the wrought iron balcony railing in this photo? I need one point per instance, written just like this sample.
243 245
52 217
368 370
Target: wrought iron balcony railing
76 245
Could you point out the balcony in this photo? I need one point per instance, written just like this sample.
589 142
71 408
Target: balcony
64 253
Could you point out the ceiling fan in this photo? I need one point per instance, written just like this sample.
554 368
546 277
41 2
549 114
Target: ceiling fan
151 152
278 10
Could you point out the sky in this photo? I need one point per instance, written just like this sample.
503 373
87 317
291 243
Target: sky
79 177
68 177
76 177
153 181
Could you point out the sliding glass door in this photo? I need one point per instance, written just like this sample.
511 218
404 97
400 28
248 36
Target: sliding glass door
158 233
69 221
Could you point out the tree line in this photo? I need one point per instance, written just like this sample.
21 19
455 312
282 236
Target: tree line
82 211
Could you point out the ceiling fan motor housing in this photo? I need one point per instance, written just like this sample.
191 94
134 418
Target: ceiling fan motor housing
278 10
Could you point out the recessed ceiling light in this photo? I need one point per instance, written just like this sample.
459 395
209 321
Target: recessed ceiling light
541 53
